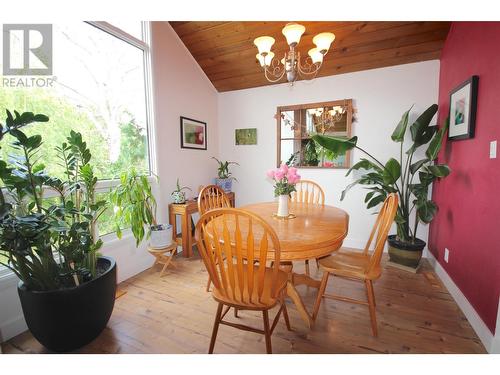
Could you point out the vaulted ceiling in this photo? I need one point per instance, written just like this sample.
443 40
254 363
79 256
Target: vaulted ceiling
226 53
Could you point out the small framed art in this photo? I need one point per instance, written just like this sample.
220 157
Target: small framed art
245 136
193 134
463 105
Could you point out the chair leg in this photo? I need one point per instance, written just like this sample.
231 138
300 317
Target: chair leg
371 305
267 331
216 328
209 281
235 312
307 267
285 312
317 263
321 291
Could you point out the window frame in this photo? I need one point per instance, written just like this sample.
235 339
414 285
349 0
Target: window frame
103 186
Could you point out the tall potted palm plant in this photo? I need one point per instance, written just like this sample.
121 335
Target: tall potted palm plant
409 178
66 289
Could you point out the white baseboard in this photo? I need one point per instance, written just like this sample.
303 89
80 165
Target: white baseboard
12 328
491 343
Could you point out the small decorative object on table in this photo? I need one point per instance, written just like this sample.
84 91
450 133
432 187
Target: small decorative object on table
178 196
284 178
225 180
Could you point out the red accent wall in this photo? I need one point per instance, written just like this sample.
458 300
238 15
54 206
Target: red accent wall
468 220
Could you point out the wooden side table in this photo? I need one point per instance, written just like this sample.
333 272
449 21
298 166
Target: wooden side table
162 258
185 210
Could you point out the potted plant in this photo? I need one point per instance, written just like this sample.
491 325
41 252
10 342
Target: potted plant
284 179
408 178
135 207
178 196
224 180
310 154
67 291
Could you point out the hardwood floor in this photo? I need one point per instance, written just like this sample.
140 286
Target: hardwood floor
174 314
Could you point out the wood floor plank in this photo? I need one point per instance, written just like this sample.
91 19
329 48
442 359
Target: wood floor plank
174 314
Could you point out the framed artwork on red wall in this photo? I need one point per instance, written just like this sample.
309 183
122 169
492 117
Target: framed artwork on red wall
463 105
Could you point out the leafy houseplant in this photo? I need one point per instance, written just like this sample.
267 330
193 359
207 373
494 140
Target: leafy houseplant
54 249
310 154
135 207
408 178
284 179
224 180
178 196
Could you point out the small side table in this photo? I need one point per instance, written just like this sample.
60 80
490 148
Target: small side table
162 258
185 210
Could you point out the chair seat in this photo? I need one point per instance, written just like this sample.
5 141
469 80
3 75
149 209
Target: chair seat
244 302
348 263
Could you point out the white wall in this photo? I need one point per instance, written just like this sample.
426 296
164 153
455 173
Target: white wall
180 89
380 97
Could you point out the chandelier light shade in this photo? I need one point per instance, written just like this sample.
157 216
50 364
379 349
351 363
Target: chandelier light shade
265 60
264 44
292 33
316 55
323 41
291 64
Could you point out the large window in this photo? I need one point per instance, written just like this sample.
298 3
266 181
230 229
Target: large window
101 89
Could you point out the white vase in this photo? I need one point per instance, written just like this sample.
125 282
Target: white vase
283 206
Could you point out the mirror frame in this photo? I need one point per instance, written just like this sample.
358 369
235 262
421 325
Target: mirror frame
349 120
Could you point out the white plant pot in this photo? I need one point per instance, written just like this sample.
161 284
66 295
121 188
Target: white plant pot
283 206
161 238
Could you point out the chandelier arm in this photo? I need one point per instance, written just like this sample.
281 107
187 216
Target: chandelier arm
267 72
309 73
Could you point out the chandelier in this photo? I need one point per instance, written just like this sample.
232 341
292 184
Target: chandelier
324 119
291 64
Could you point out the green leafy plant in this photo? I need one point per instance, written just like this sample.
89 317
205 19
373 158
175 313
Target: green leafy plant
178 188
223 169
408 178
47 247
310 154
134 205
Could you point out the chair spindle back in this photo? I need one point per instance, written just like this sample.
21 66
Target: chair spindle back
308 192
211 197
229 241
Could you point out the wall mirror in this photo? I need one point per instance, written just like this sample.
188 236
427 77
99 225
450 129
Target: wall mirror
298 123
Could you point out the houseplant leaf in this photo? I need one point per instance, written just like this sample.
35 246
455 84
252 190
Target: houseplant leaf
435 144
336 144
398 135
391 172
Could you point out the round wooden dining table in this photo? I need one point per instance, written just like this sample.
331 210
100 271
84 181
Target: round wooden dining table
312 231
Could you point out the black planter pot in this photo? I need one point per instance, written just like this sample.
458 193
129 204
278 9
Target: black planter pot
405 253
64 320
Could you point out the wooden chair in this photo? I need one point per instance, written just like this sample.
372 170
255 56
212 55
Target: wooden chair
238 281
211 197
363 266
308 192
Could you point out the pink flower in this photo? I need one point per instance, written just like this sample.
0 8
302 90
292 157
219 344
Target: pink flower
292 170
284 168
278 175
327 164
270 173
293 179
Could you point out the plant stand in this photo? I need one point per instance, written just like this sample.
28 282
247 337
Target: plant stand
162 258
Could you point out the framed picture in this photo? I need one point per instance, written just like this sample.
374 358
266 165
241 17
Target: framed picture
193 134
245 136
463 104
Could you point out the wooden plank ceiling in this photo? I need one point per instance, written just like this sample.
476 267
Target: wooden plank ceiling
226 53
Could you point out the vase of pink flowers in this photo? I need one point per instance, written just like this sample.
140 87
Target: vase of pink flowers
284 178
